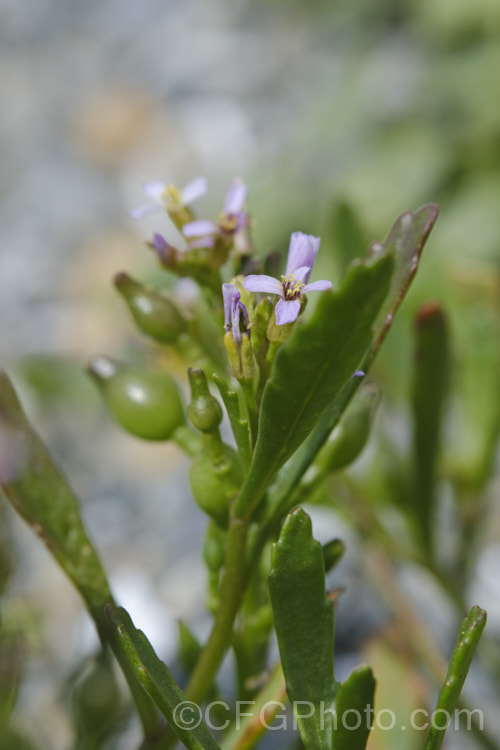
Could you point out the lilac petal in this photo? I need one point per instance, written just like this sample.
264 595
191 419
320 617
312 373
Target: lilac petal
199 228
287 311
302 273
235 197
317 286
206 242
263 283
235 321
162 248
244 312
241 218
138 213
155 190
230 295
302 252
193 190
358 374
159 243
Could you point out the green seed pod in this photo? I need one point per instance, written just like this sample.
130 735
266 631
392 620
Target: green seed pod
214 547
351 434
155 314
213 486
145 403
204 411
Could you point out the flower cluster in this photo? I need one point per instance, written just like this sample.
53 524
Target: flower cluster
210 244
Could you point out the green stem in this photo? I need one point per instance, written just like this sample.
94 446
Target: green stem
213 446
231 593
187 440
267 703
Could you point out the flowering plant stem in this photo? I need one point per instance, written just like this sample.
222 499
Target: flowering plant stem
232 588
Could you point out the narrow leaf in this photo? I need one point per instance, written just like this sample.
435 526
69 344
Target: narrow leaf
429 391
303 617
41 495
405 243
311 369
133 647
468 637
354 710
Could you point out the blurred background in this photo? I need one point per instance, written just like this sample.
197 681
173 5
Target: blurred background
339 116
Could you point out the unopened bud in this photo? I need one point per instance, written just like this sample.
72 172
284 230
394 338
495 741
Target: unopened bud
233 353
247 361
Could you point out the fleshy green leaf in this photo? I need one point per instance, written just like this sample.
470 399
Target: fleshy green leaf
405 243
429 391
468 637
133 647
354 710
311 369
40 494
303 617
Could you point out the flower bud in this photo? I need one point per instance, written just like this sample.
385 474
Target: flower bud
214 485
155 314
247 361
233 354
204 411
145 403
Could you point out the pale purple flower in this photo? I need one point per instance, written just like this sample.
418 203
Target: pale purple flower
231 220
358 374
292 286
165 196
234 310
